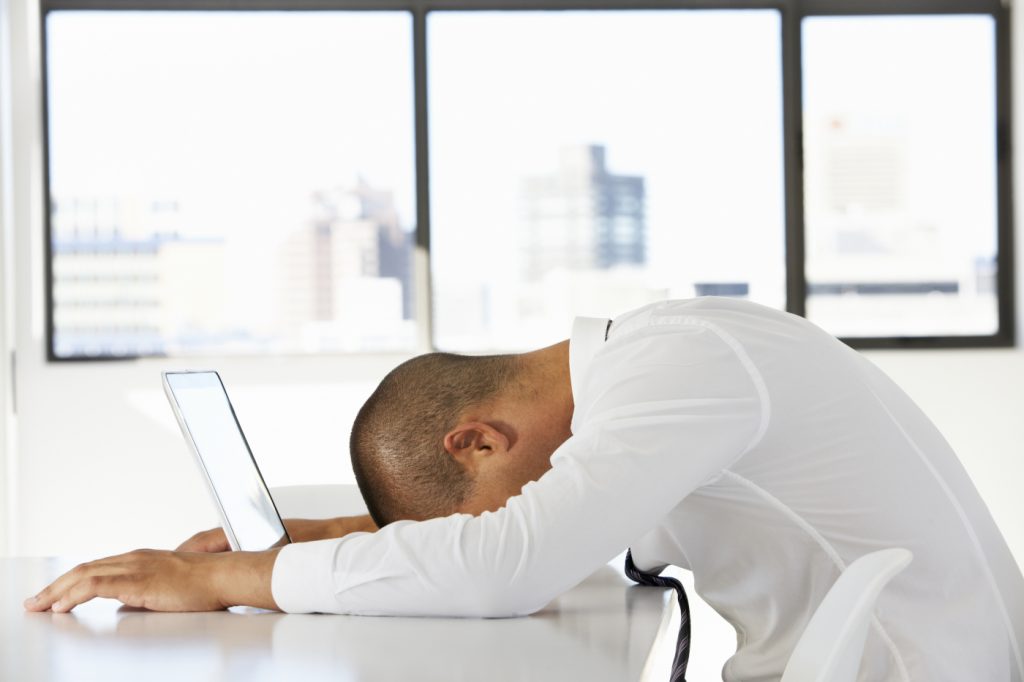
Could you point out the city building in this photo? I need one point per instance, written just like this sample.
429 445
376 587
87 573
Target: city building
582 216
346 275
126 282
865 236
886 253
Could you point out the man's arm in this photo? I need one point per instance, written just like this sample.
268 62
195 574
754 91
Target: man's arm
299 530
663 412
166 581
202 575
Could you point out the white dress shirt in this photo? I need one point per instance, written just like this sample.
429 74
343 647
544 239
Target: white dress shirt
745 445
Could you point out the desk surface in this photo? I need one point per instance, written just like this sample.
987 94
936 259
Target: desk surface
603 629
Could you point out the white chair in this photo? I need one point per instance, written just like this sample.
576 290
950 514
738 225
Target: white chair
318 501
832 645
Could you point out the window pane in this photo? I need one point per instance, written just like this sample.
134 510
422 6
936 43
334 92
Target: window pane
590 162
900 175
230 181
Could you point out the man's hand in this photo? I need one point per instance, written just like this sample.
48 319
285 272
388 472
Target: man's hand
166 581
299 530
213 540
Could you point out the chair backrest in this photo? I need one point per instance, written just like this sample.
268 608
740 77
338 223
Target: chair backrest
832 645
318 501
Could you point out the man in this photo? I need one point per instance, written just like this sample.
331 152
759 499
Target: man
736 441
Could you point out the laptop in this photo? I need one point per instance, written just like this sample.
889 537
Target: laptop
211 429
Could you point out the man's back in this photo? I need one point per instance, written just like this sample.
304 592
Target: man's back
846 465
733 439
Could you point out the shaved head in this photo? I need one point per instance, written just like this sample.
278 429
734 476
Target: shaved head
397 442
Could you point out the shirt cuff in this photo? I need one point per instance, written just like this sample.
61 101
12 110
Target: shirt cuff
302 580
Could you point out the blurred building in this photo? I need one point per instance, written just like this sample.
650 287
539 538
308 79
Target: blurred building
582 216
347 272
125 282
866 236
884 251
583 248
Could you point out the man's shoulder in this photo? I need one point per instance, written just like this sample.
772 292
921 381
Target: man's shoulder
740 318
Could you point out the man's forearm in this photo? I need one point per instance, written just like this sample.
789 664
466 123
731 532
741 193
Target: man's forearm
343 525
244 578
186 580
306 530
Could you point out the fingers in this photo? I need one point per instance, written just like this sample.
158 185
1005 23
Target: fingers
154 579
85 589
213 540
192 544
79 581
50 594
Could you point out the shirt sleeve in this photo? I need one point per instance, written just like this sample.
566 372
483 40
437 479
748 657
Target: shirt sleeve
660 412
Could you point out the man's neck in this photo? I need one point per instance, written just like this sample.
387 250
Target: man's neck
545 383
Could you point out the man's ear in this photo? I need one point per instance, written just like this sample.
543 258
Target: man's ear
470 442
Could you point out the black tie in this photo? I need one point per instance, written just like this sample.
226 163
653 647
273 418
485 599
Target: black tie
682 656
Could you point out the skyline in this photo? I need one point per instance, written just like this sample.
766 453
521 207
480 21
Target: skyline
707 147
82 230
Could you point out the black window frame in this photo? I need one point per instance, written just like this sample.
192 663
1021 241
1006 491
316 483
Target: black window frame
792 14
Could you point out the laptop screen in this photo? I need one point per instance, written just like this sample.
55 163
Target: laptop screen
207 416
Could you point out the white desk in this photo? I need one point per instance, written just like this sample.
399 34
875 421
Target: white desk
604 629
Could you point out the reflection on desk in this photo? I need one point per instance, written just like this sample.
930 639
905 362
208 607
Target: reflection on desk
603 629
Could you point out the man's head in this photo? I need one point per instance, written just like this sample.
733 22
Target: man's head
447 433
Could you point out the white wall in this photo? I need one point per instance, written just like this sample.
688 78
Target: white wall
112 472
977 400
1017 102
101 468
6 431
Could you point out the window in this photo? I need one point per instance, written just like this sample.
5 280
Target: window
900 175
599 178
265 189
230 182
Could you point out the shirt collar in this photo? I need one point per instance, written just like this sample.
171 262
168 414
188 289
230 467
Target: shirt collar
586 339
